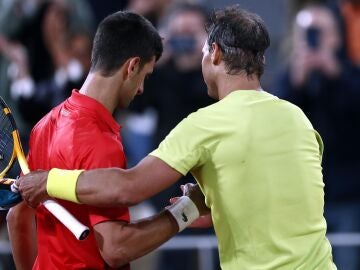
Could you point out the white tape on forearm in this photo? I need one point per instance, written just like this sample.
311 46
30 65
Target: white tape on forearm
184 211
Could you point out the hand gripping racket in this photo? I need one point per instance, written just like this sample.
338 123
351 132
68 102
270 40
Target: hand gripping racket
10 149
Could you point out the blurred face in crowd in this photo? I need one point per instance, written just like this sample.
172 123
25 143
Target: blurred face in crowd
81 50
316 28
186 38
148 8
56 21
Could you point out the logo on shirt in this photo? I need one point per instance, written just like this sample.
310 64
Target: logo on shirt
184 217
64 112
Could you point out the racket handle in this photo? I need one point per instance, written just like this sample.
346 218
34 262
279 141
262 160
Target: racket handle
79 230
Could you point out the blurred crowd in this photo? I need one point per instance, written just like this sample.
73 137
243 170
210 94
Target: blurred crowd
45 48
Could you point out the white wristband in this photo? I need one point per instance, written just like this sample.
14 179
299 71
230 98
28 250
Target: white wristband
184 211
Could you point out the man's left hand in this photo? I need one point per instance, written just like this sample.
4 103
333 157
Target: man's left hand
32 187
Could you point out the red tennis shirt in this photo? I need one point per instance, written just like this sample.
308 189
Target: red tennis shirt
78 134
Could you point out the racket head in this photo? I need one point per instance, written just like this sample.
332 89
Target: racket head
7 144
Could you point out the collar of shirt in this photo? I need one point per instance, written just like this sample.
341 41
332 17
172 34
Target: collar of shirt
95 108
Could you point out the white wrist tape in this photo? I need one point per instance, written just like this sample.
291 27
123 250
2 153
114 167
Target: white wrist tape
184 211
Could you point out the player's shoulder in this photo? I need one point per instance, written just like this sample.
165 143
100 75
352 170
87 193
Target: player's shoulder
205 112
291 113
291 108
46 122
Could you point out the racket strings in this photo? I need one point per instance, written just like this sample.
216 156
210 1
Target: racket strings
6 142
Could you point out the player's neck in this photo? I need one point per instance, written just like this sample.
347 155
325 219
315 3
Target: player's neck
101 89
230 83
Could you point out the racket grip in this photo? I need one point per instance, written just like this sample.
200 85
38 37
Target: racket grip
79 230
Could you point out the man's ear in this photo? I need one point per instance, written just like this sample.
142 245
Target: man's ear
132 66
216 55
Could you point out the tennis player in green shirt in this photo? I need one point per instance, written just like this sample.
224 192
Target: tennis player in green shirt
256 158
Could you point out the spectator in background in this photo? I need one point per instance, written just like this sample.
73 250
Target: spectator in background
32 35
179 79
55 64
141 133
153 10
174 90
323 78
101 9
141 117
43 54
44 46
347 13
176 87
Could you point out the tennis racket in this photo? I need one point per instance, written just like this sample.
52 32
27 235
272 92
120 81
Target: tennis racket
10 149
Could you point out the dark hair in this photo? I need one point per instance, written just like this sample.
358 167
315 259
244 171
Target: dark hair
120 36
242 38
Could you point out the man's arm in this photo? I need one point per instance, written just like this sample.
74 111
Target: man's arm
125 187
120 242
22 234
117 187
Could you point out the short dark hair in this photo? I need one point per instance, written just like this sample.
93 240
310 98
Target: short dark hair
242 38
120 36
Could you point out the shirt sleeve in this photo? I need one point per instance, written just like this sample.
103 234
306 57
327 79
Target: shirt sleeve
105 154
185 148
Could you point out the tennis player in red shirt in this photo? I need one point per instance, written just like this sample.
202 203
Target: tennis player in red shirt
81 133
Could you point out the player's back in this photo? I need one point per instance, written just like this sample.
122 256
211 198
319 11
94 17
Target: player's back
71 138
264 184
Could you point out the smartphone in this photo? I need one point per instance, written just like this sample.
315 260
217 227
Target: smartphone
313 37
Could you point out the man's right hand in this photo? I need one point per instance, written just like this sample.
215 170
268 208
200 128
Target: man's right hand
194 193
32 187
